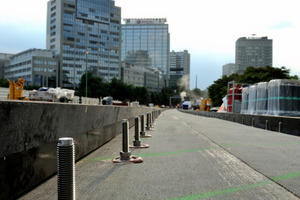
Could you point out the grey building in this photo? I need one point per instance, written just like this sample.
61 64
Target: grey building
151 78
132 74
179 67
85 35
154 80
38 67
147 40
253 51
4 60
229 69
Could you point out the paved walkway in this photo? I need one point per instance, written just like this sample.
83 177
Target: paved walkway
191 157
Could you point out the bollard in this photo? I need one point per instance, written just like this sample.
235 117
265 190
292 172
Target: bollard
152 119
266 124
279 127
143 133
142 125
252 121
66 169
242 120
148 122
137 142
125 154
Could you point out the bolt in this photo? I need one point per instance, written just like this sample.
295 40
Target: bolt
66 169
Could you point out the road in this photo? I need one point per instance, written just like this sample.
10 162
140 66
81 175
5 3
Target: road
191 157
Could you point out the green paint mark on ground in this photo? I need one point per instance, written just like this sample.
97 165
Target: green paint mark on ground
237 189
195 150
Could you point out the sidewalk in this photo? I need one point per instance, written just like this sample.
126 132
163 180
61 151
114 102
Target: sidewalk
191 157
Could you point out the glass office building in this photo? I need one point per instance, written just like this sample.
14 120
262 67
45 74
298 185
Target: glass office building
85 35
146 43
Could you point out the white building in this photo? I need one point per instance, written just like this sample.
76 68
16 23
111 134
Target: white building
38 67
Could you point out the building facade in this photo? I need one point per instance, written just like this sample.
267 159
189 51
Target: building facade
4 60
85 35
254 52
229 69
38 67
151 78
179 67
146 42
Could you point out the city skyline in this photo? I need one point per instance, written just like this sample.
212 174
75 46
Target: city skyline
208 30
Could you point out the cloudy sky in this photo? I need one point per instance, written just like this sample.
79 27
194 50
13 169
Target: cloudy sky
207 29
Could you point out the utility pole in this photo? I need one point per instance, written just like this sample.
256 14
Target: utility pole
86 59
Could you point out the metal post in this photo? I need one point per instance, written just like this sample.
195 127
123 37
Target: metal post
266 124
125 153
252 121
148 125
280 127
152 118
66 169
142 125
136 141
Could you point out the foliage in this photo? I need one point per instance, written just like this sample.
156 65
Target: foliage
252 75
4 83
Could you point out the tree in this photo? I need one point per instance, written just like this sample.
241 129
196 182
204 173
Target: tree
4 82
95 85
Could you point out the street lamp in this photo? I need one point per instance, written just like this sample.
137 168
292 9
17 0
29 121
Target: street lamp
86 61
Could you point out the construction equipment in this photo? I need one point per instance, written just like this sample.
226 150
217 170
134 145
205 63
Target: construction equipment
16 90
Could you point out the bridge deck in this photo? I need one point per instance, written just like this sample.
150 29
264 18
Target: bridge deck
191 157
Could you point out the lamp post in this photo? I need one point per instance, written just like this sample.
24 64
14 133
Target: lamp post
86 57
86 61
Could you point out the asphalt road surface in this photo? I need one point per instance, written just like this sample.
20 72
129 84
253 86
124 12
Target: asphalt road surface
191 157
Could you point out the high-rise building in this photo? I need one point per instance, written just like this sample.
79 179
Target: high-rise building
254 52
148 41
179 67
85 35
229 69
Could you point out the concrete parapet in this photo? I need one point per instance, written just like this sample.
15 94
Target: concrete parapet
29 132
288 125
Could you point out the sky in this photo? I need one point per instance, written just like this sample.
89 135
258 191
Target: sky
207 29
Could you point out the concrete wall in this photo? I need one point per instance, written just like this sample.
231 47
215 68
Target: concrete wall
288 125
29 132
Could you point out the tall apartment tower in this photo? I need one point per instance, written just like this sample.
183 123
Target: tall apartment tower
146 42
85 35
179 67
254 52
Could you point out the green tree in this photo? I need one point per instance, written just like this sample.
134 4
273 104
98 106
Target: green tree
96 87
4 82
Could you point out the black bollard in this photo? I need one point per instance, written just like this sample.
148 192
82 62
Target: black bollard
66 169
